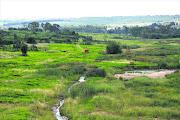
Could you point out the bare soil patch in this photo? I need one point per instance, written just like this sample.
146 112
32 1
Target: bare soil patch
120 61
49 60
160 74
79 47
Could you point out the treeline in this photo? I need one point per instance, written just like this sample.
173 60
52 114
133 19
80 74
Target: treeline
153 31
86 28
14 38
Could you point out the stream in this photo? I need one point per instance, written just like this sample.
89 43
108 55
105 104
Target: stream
56 111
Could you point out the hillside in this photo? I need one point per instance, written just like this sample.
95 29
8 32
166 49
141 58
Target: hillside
115 20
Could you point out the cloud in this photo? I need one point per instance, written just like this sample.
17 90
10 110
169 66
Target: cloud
34 9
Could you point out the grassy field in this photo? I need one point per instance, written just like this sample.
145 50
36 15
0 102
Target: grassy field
31 85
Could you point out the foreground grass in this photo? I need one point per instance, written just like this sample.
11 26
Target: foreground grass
138 98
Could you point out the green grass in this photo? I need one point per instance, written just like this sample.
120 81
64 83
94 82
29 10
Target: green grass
30 85
140 97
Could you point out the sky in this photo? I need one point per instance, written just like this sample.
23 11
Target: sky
42 9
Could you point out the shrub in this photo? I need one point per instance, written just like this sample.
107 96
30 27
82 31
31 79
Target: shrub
133 46
103 89
82 90
34 48
162 65
31 40
113 48
96 72
80 70
24 49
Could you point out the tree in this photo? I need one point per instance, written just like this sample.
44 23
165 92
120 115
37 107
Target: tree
24 49
33 26
113 48
126 30
17 44
47 26
31 40
15 36
105 37
135 31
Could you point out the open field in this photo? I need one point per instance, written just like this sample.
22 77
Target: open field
31 85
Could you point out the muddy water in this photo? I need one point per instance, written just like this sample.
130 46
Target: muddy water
56 111
140 71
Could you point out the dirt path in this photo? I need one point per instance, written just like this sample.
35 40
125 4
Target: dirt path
79 47
49 60
160 74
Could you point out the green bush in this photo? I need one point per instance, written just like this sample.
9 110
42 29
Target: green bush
162 65
113 48
24 49
82 90
80 70
96 72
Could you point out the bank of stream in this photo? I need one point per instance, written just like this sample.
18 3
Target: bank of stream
56 108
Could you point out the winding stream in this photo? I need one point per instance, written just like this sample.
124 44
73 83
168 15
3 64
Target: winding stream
56 111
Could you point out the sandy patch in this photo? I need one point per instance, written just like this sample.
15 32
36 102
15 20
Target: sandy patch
48 60
79 47
24 70
160 74
121 61
6 55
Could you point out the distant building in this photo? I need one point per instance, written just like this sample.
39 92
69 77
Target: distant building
44 49
86 51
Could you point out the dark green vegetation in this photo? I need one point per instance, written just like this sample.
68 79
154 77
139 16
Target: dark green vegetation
30 85
24 49
153 31
113 48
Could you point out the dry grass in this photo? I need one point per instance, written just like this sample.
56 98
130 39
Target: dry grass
120 61
48 60
63 67
79 47
27 76
11 81
12 106
45 92
24 70
6 55
42 45
41 104
58 87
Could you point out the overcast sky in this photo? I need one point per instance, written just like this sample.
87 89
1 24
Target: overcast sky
35 9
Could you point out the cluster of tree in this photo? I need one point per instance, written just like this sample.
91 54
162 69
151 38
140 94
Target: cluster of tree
86 28
45 32
15 38
153 31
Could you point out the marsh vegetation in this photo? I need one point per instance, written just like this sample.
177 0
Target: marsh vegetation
31 85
